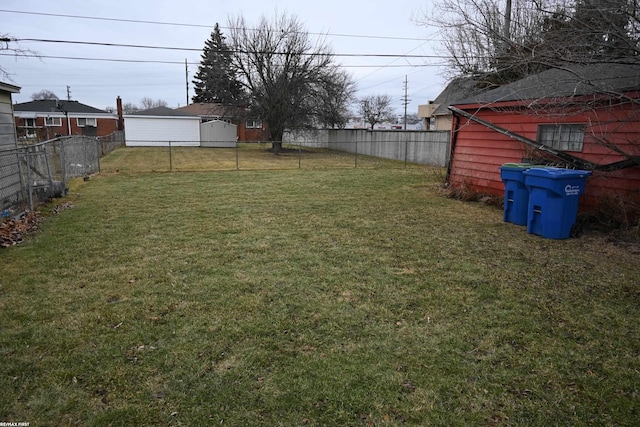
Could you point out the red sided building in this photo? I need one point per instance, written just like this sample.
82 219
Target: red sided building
586 117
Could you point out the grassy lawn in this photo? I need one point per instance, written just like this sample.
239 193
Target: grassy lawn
310 297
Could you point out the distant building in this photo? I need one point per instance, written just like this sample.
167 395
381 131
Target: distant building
45 119
436 114
248 129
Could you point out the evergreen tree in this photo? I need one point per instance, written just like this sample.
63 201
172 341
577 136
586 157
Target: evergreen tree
215 81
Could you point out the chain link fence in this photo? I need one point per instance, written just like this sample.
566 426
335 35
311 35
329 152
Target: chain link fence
33 173
172 156
308 150
36 172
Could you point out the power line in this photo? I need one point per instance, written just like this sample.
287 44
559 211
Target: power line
150 61
189 49
79 58
137 21
138 46
388 64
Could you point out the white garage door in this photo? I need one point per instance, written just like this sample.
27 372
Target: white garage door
155 131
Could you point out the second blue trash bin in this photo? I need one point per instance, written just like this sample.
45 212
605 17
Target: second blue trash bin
553 200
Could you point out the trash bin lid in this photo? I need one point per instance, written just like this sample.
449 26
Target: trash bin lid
556 173
517 165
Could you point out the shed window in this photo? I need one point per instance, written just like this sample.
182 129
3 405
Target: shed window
86 122
562 137
52 121
254 124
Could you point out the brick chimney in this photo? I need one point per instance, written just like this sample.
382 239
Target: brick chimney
120 116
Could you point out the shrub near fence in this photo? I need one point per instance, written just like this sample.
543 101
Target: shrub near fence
36 172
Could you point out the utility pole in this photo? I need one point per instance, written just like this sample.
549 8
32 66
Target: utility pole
68 93
507 23
405 101
186 78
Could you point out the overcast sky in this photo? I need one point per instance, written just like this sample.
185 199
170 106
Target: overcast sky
355 27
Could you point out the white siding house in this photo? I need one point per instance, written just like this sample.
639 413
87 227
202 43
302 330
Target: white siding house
10 190
161 127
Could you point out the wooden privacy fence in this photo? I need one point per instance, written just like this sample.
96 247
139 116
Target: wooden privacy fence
423 147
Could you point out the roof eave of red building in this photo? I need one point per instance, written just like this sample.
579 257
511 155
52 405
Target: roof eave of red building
624 97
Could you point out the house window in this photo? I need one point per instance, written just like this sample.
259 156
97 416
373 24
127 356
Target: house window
29 123
562 137
86 122
254 124
53 121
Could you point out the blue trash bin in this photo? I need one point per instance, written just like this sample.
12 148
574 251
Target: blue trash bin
516 194
553 200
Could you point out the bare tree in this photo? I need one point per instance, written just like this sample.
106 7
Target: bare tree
376 109
334 100
43 94
129 108
148 103
292 82
9 44
504 40
593 31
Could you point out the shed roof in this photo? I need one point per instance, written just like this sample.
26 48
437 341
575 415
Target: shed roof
9 88
162 111
577 80
203 109
54 105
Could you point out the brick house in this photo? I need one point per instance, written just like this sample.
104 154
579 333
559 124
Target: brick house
248 129
41 120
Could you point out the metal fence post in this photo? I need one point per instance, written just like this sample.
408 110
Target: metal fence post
406 149
63 163
356 165
237 156
20 173
46 160
170 158
99 152
29 186
84 154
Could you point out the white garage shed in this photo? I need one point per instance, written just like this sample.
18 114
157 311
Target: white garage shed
219 134
159 127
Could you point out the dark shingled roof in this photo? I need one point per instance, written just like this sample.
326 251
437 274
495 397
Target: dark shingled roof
161 111
51 106
576 80
458 88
